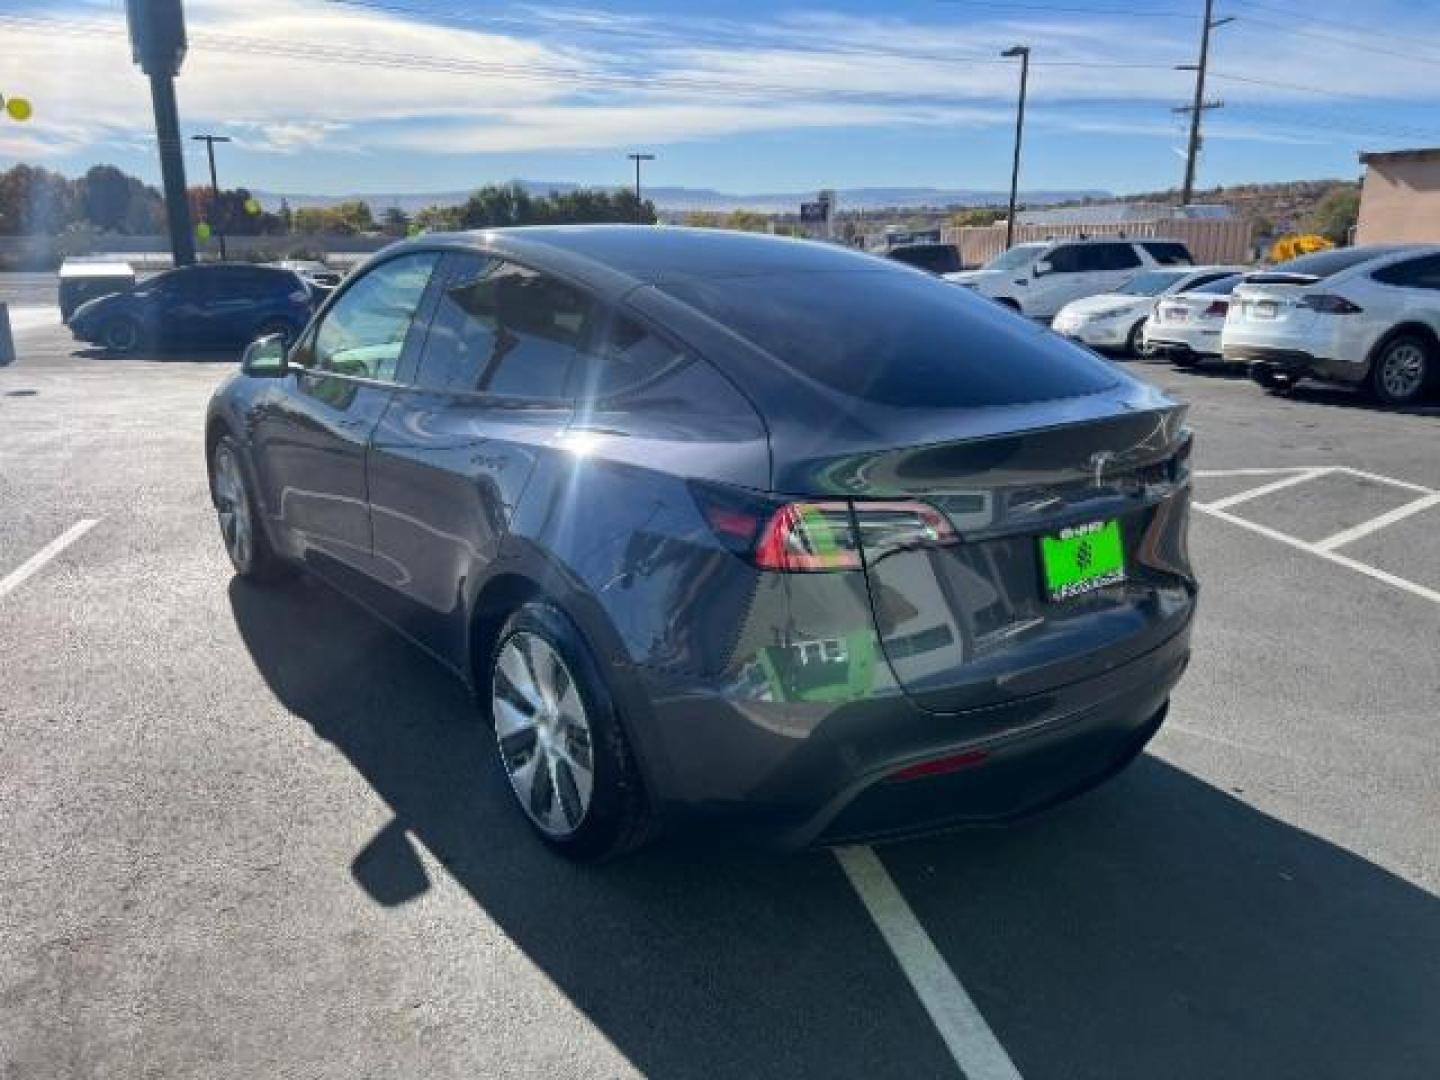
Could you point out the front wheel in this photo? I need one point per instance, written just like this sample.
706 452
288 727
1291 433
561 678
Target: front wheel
1134 341
561 744
1401 370
122 335
245 539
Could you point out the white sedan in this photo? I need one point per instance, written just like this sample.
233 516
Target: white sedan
1185 327
1116 321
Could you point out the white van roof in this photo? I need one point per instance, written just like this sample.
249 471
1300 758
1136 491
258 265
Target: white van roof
73 268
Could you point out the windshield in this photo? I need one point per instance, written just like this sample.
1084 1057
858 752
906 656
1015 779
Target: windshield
1013 259
1150 283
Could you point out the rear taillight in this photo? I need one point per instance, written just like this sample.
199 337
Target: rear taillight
817 536
1218 308
1328 304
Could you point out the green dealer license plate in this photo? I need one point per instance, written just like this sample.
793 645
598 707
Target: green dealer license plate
1082 558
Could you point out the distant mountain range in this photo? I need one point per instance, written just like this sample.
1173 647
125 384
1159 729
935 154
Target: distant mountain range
685 198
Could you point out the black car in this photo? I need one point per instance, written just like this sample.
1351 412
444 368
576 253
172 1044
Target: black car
936 258
729 528
210 306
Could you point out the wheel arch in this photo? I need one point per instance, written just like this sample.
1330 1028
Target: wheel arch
1419 329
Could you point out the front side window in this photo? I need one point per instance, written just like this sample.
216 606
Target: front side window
1112 257
504 329
364 333
1168 252
1068 259
1016 258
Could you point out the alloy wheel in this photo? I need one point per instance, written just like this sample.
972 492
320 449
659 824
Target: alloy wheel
1402 371
233 508
122 336
543 733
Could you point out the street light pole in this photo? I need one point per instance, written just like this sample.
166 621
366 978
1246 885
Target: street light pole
638 158
1023 52
210 141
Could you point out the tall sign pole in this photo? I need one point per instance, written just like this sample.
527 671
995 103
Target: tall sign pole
1023 52
157 40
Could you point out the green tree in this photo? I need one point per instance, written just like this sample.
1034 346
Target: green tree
394 221
35 202
977 216
437 218
104 194
1334 216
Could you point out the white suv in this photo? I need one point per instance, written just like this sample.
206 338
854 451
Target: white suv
1039 279
1367 316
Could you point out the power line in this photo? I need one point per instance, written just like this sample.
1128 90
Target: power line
1335 39
1004 5
1305 16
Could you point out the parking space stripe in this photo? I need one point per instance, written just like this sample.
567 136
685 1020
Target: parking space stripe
1265 489
1390 480
22 573
970 1040
1335 557
1365 528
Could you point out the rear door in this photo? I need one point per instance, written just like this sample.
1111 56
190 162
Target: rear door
455 450
313 430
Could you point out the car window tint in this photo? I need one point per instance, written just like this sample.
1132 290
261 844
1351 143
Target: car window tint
505 329
1168 252
896 338
1113 257
1423 273
1068 259
629 357
364 333
1219 286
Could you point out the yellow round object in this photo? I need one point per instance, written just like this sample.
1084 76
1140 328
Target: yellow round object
18 108
202 231
252 206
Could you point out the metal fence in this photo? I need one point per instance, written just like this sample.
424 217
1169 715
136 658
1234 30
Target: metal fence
1225 240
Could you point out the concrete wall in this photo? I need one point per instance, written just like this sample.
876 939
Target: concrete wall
1210 241
47 252
1400 200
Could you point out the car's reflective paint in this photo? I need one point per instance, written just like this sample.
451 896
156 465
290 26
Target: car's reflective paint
782 700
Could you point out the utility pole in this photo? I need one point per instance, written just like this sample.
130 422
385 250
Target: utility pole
639 207
158 42
1023 52
210 141
1200 105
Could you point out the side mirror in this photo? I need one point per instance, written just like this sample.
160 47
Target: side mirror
264 358
1042 268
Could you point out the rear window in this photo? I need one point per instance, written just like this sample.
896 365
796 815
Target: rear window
936 258
1151 283
1219 286
1168 252
897 339
1322 264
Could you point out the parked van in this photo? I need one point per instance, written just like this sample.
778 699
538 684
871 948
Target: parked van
1039 279
81 281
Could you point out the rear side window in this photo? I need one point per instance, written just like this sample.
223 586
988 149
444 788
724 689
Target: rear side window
629 357
1168 252
897 339
1423 273
504 329
936 258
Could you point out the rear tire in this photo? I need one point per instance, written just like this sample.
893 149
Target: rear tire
122 336
241 530
1402 369
560 739
1134 340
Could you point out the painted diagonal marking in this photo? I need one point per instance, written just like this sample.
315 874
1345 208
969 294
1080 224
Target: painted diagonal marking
1413 588
970 1040
1265 489
1375 524
31 566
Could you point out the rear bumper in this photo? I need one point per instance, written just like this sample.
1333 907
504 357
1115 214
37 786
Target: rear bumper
1199 345
830 778
1295 363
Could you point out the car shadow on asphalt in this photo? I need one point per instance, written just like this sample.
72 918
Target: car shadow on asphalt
1158 927
192 356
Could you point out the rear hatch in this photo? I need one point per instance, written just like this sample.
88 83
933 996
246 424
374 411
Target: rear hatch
1184 310
1270 303
1065 558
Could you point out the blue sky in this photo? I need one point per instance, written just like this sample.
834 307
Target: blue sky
375 96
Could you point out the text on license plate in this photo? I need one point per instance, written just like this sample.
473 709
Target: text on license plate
1082 558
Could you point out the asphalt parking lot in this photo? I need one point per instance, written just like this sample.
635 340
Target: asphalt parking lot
252 833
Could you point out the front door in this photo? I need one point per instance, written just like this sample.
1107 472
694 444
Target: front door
314 430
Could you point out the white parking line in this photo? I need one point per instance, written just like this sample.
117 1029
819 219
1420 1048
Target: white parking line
1331 556
970 1040
1365 528
1266 489
17 577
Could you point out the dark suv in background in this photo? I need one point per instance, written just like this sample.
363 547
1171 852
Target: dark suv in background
215 306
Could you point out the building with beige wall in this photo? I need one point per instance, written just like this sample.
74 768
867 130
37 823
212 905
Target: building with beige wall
1400 198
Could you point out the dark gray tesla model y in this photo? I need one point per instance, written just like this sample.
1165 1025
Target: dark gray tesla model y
726 527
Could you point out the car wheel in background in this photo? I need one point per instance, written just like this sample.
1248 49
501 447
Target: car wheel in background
1401 369
561 744
122 335
1182 359
1134 340
1273 381
245 538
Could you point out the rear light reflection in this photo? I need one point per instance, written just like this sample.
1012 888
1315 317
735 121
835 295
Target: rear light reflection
1328 304
941 766
1218 308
